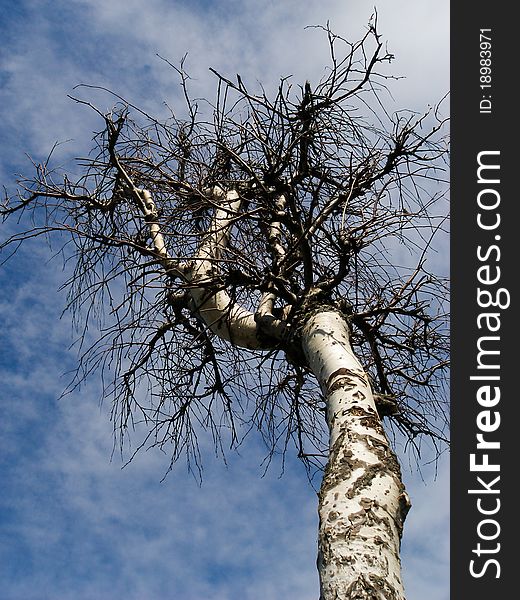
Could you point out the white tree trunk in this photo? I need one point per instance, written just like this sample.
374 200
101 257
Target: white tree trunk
223 315
362 501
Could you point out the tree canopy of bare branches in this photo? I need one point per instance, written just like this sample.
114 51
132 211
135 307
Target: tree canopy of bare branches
326 206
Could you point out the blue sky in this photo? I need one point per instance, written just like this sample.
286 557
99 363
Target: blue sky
73 523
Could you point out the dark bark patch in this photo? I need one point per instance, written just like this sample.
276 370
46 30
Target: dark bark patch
356 411
358 518
404 506
373 588
347 373
371 472
373 423
359 396
366 503
342 383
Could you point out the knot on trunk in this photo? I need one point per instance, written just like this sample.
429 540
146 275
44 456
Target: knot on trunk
386 404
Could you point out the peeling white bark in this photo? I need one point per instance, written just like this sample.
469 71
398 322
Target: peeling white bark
362 501
159 245
264 314
223 315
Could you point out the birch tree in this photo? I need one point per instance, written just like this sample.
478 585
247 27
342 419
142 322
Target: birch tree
264 265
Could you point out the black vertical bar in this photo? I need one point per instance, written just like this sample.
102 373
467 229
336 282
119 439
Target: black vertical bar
484 260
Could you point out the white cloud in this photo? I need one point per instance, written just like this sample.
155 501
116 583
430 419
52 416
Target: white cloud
115 43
